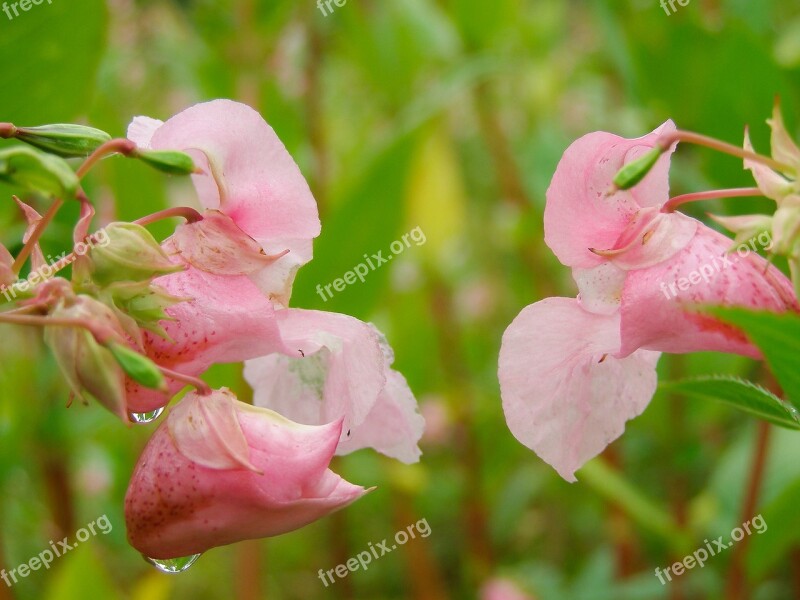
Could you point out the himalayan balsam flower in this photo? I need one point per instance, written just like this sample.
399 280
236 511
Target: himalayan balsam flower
218 471
573 371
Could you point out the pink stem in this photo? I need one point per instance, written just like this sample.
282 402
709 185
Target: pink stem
673 203
201 386
37 233
116 146
188 213
667 139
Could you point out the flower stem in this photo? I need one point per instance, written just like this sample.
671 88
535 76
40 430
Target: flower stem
37 233
676 201
7 130
100 334
667 139
188 213
202 387
116 146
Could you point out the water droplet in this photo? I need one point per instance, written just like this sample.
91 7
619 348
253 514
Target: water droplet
148 417
173 565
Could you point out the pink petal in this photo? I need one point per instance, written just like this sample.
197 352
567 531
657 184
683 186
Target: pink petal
205 430
257 183
141 130
580 214
564 394
658 315
7 275
338 367
227 319
177 507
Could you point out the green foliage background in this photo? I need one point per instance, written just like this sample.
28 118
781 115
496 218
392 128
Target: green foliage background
449 115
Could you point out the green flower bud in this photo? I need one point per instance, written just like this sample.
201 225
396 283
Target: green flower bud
144 302
167 161
63 139
131 254
89 368
138 367
632 173
37 171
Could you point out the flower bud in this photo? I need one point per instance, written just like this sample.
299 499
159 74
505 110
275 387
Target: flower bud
745 227
37 171
132 254
63 139
167 161
216 244
218 471
138 367
144 302
632 173
89 368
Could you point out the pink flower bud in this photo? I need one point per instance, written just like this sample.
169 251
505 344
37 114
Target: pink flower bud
218 471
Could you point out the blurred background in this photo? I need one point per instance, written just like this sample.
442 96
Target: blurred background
448 115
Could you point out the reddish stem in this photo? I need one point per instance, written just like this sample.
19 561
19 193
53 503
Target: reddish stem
676 201
116 146
188 213
201 386
736 578
36 235
667 139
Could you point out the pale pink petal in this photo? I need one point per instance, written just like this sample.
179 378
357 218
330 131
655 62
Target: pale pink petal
338 366
564 394
600 288
205 430
653 239
216 244
657 303
141 130
580 213
258 184
393 427
7 275
32 217
502 589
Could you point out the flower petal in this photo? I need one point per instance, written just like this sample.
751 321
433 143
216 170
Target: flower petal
141 130
580 213
564 395
657 303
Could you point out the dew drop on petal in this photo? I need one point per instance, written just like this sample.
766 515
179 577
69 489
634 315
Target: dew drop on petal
148 417
173 565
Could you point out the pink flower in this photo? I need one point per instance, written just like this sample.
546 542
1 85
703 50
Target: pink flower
338 367
218 471
249 178
501 588
573 371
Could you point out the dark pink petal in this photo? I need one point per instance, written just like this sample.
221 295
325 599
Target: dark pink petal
658 315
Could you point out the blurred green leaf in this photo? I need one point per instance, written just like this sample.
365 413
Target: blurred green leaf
81 575
783 532
778 337
49 57
742 394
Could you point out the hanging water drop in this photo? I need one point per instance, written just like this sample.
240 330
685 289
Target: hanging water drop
148 417
173 565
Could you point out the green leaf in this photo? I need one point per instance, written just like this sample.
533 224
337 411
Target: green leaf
37 171
778 337
742 394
